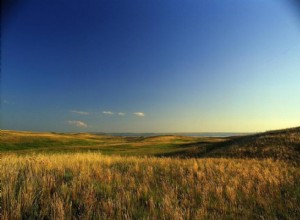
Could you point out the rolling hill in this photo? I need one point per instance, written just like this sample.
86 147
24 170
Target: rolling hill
278 145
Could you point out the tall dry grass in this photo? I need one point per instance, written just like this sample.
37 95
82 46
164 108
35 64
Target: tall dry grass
93 186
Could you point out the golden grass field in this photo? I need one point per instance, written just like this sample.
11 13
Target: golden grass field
93 186
69 184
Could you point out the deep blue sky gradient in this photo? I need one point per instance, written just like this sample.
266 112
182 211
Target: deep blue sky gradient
189 66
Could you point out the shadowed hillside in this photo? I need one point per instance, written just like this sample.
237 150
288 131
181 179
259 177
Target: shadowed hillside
278 145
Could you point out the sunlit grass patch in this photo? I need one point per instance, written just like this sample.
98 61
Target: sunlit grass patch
91 185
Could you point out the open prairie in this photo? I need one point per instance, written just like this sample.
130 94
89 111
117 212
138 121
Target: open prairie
88 176
153 110
28 142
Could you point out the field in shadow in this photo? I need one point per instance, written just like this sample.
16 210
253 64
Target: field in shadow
278 145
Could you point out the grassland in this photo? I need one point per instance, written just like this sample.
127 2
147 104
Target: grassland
92 186
281 145
30 142
88 176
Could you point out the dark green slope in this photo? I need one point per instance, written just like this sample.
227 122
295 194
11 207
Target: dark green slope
277 145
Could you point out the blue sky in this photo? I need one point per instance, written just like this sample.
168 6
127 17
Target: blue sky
150 65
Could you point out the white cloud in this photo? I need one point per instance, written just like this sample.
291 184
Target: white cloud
140 114
78 124
80 112
121 113
107 112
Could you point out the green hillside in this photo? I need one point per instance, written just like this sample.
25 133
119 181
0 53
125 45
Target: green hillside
278 145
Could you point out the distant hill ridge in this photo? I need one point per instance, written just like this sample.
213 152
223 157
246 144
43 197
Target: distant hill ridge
281 145
278 144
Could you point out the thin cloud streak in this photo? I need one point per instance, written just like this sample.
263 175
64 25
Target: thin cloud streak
140 114
107 112
80 124
79 112
121 113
